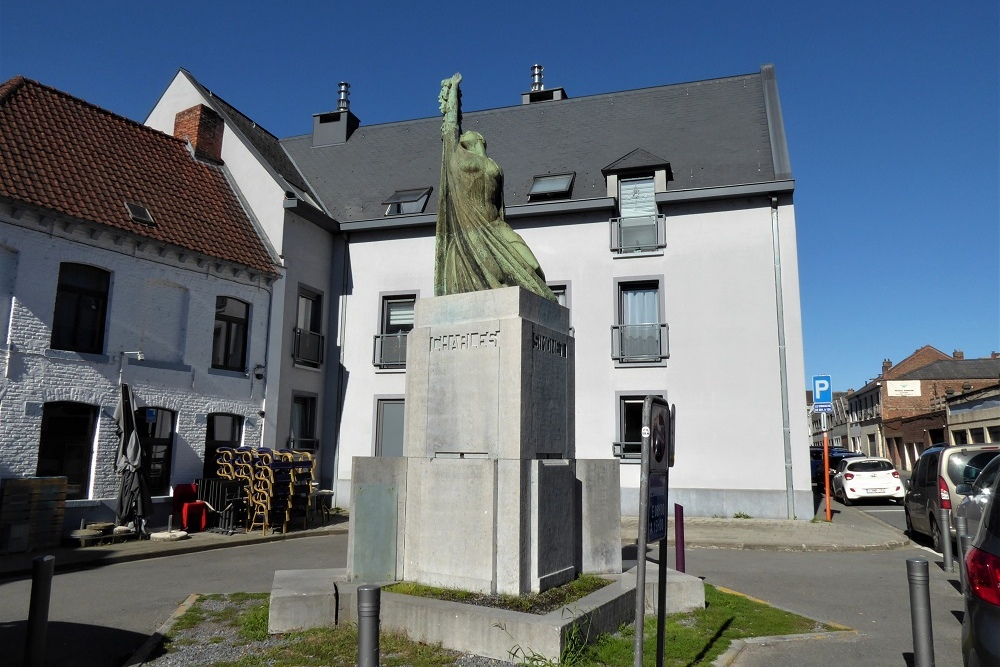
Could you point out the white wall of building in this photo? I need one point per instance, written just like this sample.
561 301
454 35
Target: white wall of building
180 380
718 283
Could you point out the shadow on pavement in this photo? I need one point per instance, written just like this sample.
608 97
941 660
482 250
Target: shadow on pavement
72 644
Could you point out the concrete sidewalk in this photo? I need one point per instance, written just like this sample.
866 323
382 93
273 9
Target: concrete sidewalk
850 530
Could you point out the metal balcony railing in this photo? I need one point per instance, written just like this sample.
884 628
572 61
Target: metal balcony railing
640 343
389 350
645 233
627 450
307 347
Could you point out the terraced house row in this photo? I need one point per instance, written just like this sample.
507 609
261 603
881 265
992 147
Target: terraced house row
258 291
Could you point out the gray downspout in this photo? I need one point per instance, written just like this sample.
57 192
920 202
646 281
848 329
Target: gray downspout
342 331
782 363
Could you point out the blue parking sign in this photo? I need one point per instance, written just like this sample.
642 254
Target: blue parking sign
822 393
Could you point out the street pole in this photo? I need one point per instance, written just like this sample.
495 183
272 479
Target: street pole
826 463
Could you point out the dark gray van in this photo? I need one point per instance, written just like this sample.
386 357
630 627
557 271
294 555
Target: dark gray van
939 470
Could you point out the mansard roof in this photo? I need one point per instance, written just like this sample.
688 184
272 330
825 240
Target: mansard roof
715 133
65 155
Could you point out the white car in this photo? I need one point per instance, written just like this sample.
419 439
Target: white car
866 479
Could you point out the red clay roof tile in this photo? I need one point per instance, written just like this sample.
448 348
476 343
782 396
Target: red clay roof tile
61 153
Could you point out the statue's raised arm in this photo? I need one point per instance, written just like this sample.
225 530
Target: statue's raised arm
475 247
450 102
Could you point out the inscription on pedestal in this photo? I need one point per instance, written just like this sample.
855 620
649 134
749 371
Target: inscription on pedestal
465 341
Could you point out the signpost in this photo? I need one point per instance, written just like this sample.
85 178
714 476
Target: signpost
654 485
823 404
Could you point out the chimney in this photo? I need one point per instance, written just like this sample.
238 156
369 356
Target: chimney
994 355
202 128
958 354
538 92
336 127
886 365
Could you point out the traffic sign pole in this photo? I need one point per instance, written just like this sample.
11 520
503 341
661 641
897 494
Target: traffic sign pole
826 464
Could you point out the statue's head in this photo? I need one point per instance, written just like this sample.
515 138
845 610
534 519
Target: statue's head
473 142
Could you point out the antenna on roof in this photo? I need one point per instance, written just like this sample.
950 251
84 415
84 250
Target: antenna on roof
343 92
536 78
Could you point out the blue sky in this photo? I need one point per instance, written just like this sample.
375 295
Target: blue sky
891 111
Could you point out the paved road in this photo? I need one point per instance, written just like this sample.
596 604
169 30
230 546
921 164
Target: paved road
867 591
99 617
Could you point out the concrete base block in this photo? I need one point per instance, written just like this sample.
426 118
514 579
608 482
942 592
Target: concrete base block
684 592
303 599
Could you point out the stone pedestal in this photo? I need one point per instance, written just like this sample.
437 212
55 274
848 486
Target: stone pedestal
488 497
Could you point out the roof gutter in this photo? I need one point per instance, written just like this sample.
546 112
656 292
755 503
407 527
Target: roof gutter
309 212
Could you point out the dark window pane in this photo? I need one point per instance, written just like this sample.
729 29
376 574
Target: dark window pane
80 309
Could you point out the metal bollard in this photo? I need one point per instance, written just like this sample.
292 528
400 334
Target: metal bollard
679 537
961 528
38 610
920 612
369 602
964 544
944 522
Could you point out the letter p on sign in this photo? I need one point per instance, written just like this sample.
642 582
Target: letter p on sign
822 390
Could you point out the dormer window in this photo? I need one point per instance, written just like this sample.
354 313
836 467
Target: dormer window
551 186
404 202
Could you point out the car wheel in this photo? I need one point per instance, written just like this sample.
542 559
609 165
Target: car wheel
909 524
935 536
844 499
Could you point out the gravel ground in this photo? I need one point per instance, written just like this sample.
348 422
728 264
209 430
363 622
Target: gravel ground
215 640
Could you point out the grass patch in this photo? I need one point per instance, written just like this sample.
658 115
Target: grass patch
699 637
692 639
535 603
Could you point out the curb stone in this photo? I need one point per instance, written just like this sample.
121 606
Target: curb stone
156 639
738 645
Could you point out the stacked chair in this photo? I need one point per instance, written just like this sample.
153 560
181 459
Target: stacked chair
275 485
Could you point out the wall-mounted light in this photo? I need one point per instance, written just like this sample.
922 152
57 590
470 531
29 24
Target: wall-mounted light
121 361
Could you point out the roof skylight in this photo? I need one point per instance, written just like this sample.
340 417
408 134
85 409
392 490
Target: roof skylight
139 213
551 186
407 201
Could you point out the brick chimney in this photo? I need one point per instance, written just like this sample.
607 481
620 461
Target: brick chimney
203 128
958 354
994 355
886 365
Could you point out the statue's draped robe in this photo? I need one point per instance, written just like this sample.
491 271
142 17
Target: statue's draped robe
476 249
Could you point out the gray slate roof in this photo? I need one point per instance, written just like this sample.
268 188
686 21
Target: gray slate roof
712 133
956 369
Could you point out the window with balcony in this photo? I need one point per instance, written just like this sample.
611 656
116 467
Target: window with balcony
640 227
628 436
79 320
397 321
303 427
229 339
640 335
308 339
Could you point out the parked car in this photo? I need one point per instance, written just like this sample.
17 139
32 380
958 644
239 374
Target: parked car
977 495
836 454
981 589
866 478
938 472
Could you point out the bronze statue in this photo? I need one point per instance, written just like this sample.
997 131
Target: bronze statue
476 249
